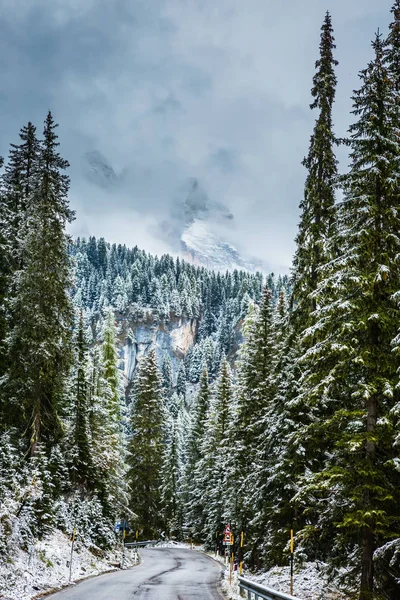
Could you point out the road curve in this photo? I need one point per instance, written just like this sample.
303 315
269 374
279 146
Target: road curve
164 574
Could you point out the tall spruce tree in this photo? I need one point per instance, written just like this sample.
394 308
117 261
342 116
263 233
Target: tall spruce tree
39 343
196 437
353 374
146 447
214 466
255 391
20 180
298 453
5 271
171 479
82 467
317 208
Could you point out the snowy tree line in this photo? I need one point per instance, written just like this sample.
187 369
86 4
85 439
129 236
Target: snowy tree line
156 290
61 448
68 440
305 433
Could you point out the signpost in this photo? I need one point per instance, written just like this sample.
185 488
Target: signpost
124 527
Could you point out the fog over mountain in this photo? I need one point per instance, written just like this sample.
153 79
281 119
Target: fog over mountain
191 224
169 92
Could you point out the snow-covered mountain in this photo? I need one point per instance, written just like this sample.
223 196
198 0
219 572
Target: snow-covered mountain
98 171
193 225
201 246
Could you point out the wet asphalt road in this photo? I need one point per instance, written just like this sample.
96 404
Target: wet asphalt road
164 574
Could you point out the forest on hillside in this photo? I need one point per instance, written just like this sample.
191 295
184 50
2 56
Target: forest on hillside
295 421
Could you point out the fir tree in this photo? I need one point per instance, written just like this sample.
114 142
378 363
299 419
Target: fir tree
81 451
171 479
20 180
196 440
146 446
213 469
317 208
5 271
110 362
167 378
38 345
353 384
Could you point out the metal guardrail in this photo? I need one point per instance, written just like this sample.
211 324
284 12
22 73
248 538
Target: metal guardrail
257 591
141 544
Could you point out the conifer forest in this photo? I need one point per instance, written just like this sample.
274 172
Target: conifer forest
279 410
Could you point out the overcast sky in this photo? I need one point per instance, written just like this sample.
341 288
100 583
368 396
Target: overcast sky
216 89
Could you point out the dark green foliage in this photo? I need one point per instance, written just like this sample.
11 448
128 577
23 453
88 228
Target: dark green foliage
146 447
193 497
213 468
317 208
354 385
38 344
167 378
82 468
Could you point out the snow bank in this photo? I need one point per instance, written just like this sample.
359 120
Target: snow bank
310 582
26 575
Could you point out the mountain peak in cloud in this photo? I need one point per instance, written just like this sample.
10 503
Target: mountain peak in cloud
98 170
192 226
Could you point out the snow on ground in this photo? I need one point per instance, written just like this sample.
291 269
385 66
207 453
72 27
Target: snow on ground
310 582
26 576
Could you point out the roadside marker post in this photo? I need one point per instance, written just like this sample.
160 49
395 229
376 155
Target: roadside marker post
291 561
241 553
72 552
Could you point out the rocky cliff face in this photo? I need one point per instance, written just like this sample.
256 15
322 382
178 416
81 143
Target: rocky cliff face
139 334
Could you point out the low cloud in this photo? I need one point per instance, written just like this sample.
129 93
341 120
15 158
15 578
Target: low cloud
173 89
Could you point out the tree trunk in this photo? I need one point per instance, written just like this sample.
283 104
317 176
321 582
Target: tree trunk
367 572
368 537
35 432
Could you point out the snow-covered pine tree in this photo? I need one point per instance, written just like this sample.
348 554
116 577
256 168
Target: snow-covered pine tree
39 343
255 391
172 479
214 467
110 362
353 378
195 443
5 272
20 179
317 207
290 413
146 448
105 421
80 456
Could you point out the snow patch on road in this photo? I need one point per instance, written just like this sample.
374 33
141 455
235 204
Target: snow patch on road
173 544
26 575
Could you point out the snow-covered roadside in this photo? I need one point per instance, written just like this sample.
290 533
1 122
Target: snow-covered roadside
26 577
310 582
